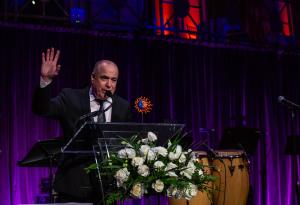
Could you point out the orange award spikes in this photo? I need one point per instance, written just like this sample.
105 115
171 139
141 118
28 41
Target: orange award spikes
143 105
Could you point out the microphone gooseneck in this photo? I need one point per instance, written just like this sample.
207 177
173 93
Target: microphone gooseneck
290 104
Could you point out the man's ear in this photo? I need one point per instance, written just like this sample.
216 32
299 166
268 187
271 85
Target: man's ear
92 77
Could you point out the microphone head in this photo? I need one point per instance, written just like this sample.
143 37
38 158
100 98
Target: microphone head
108 93
280 98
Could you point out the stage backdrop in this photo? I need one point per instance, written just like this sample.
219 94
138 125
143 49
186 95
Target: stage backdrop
200 85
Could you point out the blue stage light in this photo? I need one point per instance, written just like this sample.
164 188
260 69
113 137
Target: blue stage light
77 15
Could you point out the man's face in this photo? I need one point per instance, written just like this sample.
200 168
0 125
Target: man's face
104 79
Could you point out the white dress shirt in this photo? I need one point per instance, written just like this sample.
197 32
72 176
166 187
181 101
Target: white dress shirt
96 106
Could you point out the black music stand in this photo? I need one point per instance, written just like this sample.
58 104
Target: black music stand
246 139
45 153
292 146
241 138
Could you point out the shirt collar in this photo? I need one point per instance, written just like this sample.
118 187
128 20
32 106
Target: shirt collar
92 97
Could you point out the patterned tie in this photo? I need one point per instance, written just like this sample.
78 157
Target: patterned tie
101 115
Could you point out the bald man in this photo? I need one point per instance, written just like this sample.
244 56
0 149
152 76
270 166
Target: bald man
71 181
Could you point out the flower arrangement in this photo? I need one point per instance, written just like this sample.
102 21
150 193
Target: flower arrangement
143 169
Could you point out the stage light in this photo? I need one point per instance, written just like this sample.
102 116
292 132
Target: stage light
77 15
33 2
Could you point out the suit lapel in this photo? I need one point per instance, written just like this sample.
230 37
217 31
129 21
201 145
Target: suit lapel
114 111
85 101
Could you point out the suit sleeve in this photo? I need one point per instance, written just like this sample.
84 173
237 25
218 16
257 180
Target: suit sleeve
43 105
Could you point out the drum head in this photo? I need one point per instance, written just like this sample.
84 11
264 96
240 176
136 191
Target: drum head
200 154
231 153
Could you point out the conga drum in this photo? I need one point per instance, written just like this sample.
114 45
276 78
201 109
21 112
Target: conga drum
202 198
231 169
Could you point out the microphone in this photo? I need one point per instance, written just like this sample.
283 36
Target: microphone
108 93
88 116
290 104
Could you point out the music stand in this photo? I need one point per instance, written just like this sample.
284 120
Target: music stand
292 146
246 139
44 153
242 138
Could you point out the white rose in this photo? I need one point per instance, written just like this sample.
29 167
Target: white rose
178 150
122 176
158 186
190 191
170 166
169 169
182 158
143 170
161 151
126 153
186 174
152 137
172 156
171 174
158 165
137 190
145 141
189 170
137 161
144 150
175 155
151 155
200 172
191 167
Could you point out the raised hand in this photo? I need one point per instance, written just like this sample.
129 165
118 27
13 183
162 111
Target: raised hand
49 67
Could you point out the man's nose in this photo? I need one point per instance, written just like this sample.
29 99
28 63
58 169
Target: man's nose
108 83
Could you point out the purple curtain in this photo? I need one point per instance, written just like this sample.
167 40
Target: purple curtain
202 86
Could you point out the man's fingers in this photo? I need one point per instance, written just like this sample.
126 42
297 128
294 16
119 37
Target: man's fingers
48 55
57 70
52 53
57 56
43 58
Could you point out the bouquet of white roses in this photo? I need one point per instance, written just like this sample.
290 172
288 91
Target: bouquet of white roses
141 168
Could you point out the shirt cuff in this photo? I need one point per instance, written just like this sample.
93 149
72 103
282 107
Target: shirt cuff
44 83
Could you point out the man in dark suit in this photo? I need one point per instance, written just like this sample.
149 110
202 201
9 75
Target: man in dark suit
71 181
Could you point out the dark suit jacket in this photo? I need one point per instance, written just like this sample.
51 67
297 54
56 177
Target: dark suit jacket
71 104
68 107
